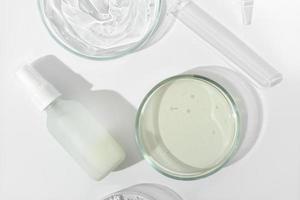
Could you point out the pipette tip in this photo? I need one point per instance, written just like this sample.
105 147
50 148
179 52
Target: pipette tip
247 11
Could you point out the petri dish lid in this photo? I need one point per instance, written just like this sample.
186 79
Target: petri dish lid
188 127
101 29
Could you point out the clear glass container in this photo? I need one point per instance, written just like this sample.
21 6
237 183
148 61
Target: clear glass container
144 192
101 29
191 125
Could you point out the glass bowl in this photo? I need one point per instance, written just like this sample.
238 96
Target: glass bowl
101 30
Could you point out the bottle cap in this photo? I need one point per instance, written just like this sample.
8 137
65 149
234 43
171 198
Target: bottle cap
42 92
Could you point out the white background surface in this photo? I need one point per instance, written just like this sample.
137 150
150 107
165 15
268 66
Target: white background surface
33 166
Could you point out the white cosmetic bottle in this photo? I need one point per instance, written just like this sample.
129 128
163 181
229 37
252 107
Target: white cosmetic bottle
78 132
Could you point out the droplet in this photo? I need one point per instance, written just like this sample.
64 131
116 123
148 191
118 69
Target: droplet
173 108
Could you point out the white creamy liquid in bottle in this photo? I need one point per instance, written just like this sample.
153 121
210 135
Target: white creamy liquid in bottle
95 26
74 127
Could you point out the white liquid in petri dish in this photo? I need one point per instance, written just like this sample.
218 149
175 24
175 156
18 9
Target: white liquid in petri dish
190 120
100 27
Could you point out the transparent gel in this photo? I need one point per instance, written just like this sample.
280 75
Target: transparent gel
99 27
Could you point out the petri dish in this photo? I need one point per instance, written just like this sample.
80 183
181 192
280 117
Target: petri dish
188 127
144 191
101 29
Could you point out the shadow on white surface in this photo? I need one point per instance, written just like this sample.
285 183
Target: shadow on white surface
111 109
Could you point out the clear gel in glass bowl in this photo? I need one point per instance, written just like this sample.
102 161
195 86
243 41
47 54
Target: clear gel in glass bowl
188 127
101 29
